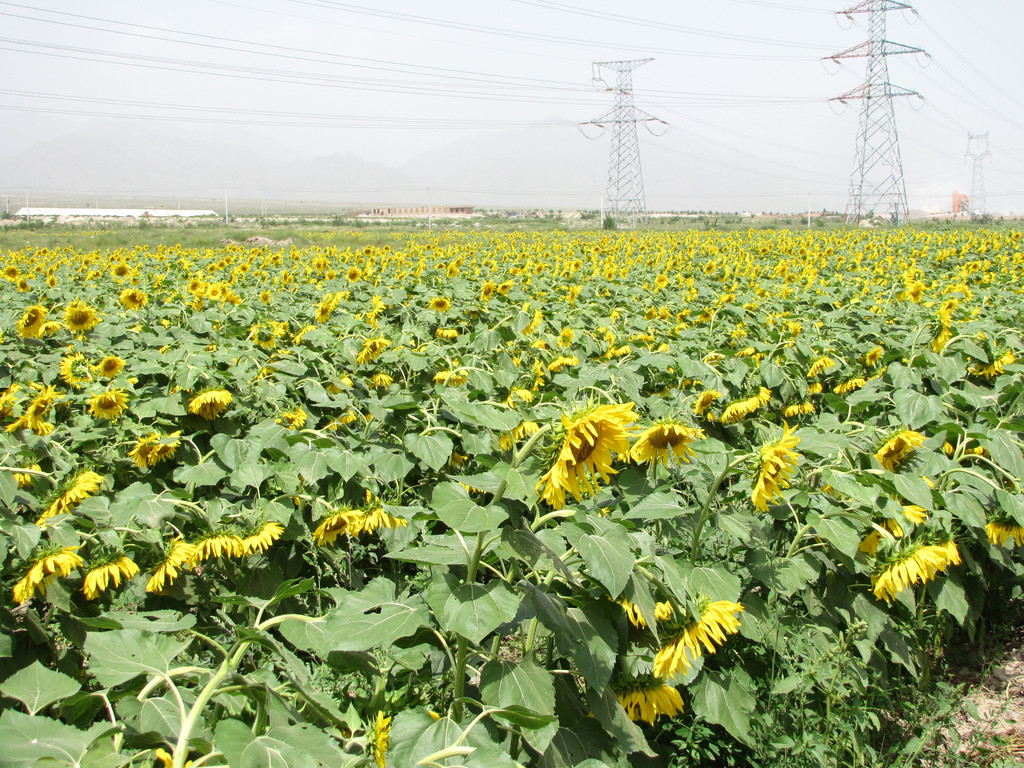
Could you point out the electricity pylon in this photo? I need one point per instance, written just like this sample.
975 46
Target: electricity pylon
977 150
876 185
625 190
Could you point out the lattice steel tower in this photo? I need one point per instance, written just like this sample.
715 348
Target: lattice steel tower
625 190
977 150
876 185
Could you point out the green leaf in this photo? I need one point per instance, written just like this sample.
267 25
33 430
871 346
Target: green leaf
200 475
312 463
37 687
949 595
657 506
717 583
609 559
917 410
592 640
363 631
345 463
1006 453
415 735
392 466
914 489
8 487
720 698
451 503
25 538
250 476
839 532
476 610
507 684
432 449
30 740
606 709
116 657
244 749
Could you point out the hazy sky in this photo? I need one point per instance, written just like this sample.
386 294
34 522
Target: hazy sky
743 85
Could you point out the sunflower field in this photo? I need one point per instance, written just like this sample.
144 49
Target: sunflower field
495 500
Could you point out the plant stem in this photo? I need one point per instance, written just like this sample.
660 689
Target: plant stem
226 669
705 512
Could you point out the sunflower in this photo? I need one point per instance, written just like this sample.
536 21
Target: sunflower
897 448
154 448
667 441
508 440
31 321
1001 531
354 274
704 401
210 403
684 645
662 612
440 304
381 380
915 564
454 378
55 562
448 334
217 544
344 520
381 738
377 518
25 477
778 461
995 368
805 408
177 555
561 361
74 370
820 365
646 700
743 408
99 577
589 440
259 540
870 543
108 405
850 385
108 367
874 357
293 419
372 349
80 317
82 486
327 306
133 298
525 395
8 399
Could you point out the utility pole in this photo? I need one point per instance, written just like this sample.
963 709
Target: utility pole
225 205
977 150
876 185
625 190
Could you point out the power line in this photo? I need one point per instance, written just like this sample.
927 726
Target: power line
660 25
262 117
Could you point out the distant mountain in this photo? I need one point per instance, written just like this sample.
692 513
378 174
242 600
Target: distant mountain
546 166
112 159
